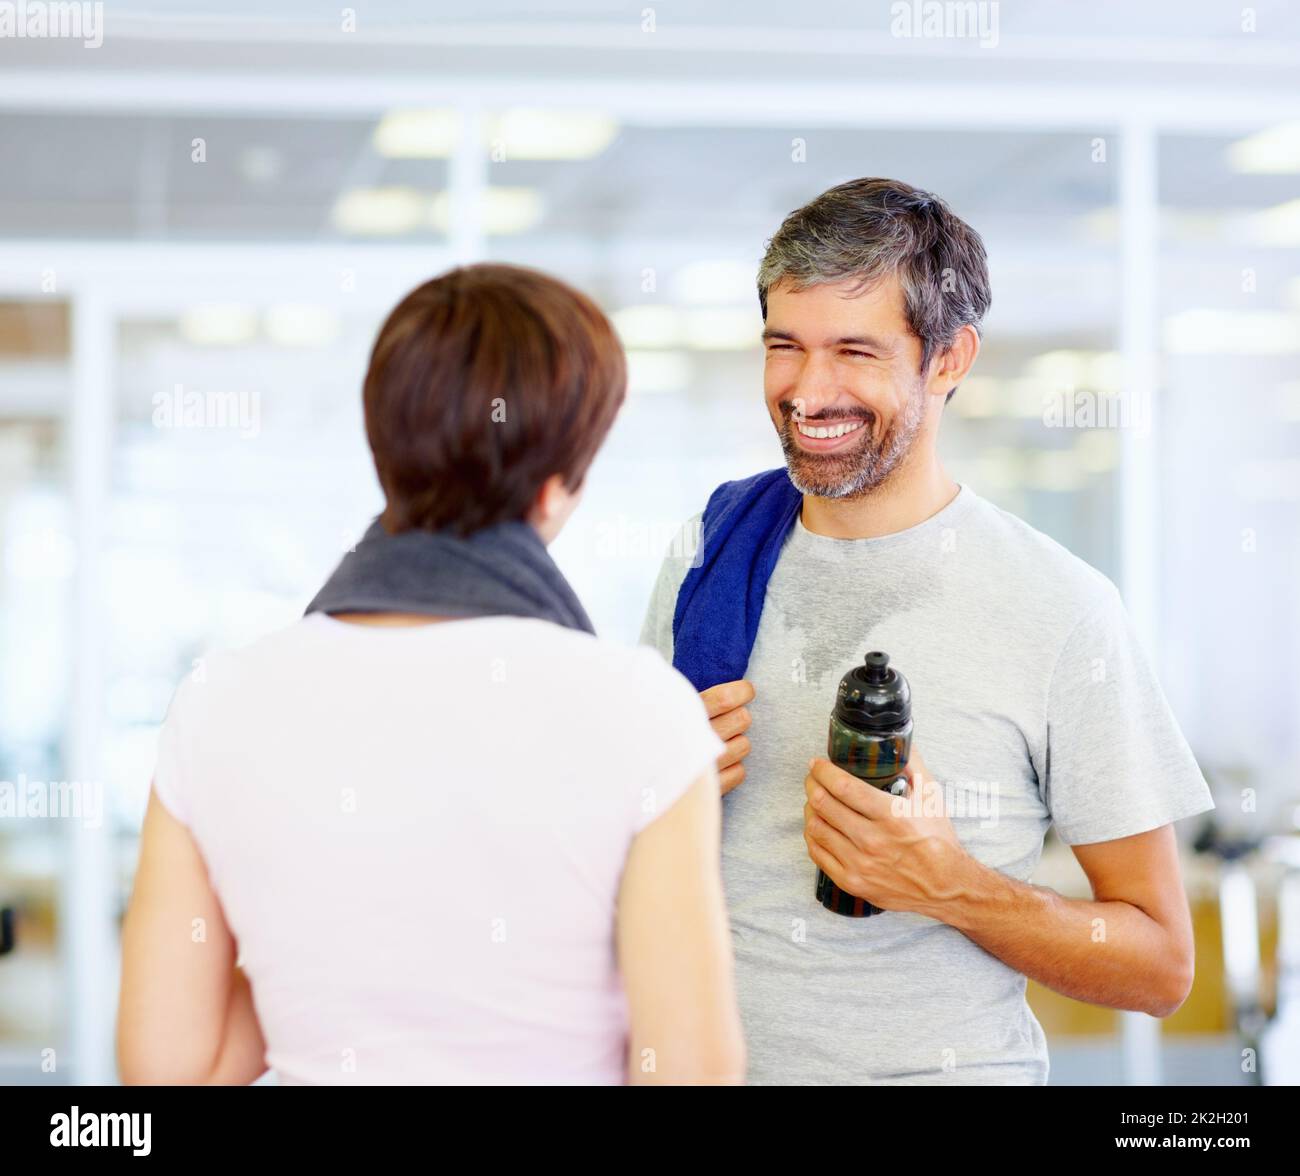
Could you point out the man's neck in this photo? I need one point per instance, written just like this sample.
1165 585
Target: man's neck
903 500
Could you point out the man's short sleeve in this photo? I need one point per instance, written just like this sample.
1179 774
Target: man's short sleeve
1117 764
657 631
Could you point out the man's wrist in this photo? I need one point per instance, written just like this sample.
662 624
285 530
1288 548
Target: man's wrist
970 889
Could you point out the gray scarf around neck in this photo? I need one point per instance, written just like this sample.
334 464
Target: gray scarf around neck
503 570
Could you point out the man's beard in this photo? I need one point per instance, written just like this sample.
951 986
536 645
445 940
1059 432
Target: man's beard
858 470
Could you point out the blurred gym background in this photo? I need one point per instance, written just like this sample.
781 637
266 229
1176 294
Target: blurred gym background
204 218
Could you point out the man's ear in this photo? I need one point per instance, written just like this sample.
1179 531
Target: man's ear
952 367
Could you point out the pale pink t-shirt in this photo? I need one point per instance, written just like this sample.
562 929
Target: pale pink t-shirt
417 837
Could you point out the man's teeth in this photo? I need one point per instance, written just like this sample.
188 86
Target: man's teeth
828 430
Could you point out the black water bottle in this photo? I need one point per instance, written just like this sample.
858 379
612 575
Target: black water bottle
870 737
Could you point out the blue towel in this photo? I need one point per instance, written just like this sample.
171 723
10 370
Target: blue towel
721 599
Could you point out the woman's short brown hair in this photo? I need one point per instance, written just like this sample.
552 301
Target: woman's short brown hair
483 383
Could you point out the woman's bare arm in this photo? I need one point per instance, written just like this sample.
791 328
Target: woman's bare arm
185 1014
674 948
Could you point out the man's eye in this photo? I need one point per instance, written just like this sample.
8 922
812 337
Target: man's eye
862 354
779 347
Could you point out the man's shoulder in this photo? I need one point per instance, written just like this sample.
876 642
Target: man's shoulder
777 478
682 555
722 499
1018 556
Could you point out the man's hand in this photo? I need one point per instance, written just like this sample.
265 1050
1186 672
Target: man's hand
899 853
729 718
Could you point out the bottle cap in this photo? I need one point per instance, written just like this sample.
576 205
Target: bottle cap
874 696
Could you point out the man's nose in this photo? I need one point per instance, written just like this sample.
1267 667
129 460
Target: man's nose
815 388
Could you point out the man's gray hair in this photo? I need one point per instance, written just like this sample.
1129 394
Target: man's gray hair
870 228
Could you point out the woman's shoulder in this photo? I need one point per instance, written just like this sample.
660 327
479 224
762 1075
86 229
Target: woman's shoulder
594 656
547 660
606 671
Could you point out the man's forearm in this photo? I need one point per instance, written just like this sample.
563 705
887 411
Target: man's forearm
1105 953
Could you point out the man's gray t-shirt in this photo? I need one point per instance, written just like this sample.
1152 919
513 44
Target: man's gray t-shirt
1032 703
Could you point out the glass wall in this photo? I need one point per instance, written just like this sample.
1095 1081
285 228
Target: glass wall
1230 463
666 226
240 475
242 292
36 640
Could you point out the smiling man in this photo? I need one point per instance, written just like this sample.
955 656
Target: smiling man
1032 702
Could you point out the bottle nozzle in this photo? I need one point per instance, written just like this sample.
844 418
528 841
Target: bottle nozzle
877 666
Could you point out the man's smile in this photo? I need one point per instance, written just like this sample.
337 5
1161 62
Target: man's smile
824 438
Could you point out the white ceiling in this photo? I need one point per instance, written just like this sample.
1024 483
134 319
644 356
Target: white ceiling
1185 42
79 166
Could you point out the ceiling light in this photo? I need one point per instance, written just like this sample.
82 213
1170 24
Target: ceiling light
1098 371
648 326
261 165
1101 225
525 133
218 325
722 328
380 211
1275 151
504 211
1277 226
417 134
1027 398
1232 332
295 325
